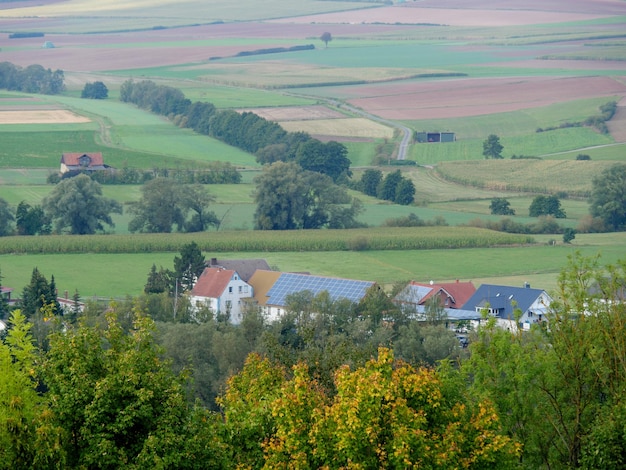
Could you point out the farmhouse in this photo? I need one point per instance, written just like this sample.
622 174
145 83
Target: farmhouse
222 291
244 267
423 137
82 162
502 302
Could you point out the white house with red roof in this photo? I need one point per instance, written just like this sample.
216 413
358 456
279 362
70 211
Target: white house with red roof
222 291
82 162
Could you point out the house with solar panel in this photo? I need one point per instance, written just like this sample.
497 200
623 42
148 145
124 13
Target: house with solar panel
273 288
501 302
222 291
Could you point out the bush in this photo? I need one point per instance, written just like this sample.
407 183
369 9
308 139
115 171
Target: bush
582 156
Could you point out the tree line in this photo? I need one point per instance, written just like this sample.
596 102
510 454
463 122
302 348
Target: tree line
246 130
330 385
31 79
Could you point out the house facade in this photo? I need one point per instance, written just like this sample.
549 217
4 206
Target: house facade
502 302
222 291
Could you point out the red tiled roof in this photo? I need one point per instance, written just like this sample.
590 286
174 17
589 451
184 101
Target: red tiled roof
460 292
72 158
212 282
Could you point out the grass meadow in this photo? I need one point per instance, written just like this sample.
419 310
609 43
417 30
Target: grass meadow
116 275
128 136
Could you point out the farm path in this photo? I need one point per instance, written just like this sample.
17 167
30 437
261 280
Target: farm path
406 132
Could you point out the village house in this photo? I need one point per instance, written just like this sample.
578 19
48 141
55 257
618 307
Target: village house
502 302
80 162
273 288
222 291
244 267
416 295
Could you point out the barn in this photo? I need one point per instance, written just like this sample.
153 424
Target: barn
430 137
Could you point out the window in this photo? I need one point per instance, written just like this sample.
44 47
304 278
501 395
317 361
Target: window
240 289
230 290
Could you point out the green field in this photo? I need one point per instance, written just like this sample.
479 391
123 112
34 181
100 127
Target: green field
101 274
128 136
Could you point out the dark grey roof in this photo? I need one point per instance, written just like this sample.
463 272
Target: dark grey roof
244 267
504 299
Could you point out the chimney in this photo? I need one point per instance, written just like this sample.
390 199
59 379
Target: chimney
527 285
213 261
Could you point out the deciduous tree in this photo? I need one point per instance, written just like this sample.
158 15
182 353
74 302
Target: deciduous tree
326 37
289 198
608 197
77 204
546 205
31 220
6 218
96 91
492 148
501 206
159 208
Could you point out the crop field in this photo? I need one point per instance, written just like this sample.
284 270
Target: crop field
350 127
432 65
542 176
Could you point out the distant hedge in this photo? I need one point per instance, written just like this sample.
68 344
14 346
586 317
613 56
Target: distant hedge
25 35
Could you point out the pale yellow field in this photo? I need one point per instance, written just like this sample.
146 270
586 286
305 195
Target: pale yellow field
295 113
41 116
351 127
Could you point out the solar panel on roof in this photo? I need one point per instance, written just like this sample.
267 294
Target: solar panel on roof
290 283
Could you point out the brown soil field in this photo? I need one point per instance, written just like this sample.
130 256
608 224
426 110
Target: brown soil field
491 15
41 116
115 51
473 97
295 113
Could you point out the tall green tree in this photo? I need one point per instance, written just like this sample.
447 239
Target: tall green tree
388 186
608 197
38 294
195 198
95 91
6 218
118 403
31 220
546 205
329 158
326 37
501 206
189 265
289 198
159 208
492 148
24 438
370 179
405 192
77 204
